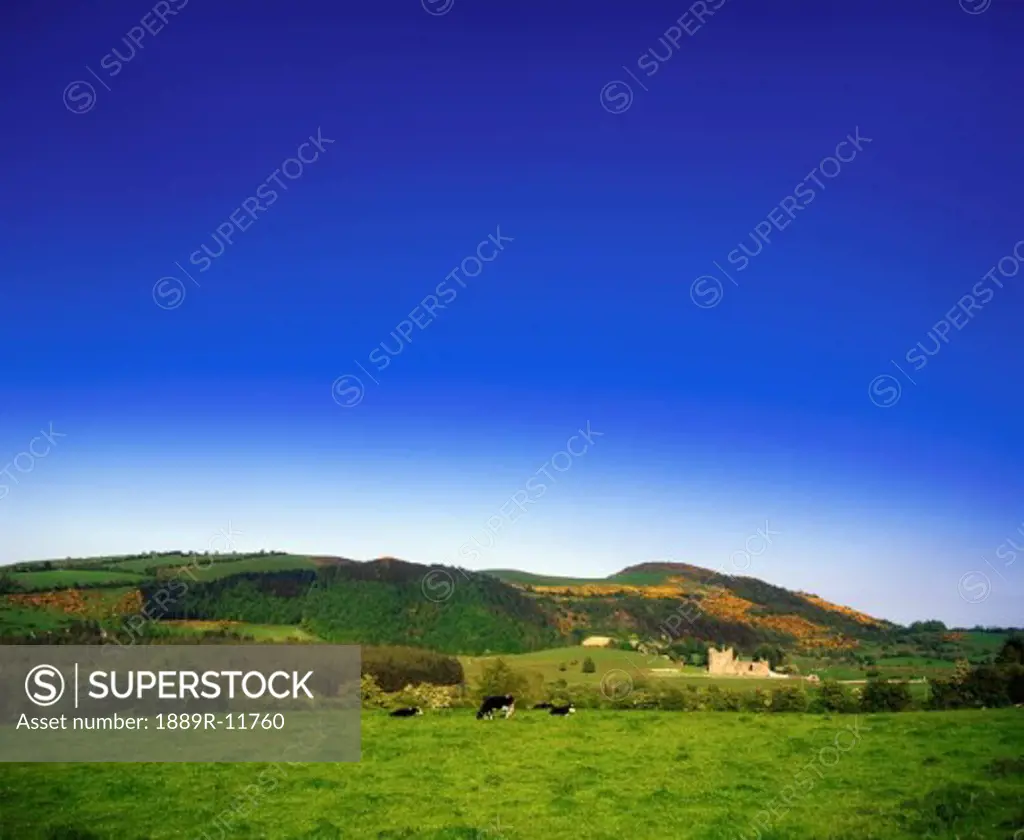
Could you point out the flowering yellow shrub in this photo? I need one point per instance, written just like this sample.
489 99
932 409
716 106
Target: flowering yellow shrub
863 618
427 696
717 602
370 693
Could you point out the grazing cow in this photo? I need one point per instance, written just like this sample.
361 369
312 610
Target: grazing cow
498 703
563 710
407 712
544 706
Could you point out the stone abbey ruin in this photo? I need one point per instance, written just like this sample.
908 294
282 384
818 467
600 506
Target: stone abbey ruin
725 663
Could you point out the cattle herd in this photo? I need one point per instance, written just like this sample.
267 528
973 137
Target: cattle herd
503 703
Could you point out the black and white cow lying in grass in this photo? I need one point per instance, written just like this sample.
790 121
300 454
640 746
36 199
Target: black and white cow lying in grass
563 710
498 703
408 712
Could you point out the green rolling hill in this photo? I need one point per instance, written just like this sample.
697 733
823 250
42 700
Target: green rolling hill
394 602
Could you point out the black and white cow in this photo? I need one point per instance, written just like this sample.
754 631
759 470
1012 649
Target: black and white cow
563 710
407 712
498 703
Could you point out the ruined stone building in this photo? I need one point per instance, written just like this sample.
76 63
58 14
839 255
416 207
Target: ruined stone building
725 663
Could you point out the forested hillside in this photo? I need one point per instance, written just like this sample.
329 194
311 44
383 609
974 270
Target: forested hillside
393 602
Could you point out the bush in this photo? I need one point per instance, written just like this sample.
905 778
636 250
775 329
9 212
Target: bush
1015 684
723 700
689 650
557 692
672 700
946 694
789 699
590 697
833 697
885 696
7 583
757 700
985 686
1012 652
588 666
772 654
988 686
640 700
696 699
371 694
428 696
500 678
961 671
396 667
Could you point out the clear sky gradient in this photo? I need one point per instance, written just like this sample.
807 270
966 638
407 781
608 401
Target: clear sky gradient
316 377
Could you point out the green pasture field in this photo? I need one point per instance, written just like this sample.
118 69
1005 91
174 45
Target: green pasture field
162 562
636 665
530 579
207 570
986 642
641 578
915 662
896 668
828 671
596 775
73 578
628 579
546 662
21 619
137 564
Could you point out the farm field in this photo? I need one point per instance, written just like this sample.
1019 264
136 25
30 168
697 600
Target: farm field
530 579
635 665
706 776
21 619
69 578
160 561
219 569
895 667
53 608
547 662
212 566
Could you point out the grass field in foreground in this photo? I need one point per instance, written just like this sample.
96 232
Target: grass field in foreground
596 775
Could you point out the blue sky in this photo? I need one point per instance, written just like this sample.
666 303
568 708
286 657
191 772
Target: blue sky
621 157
